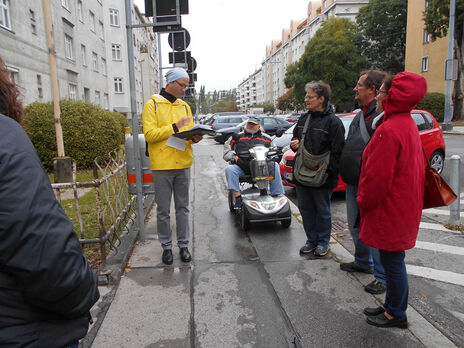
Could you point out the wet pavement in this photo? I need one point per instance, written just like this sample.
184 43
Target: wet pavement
242 289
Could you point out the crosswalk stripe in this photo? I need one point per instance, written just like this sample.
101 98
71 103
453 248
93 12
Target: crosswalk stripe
442 248
437 227
437 211
435 274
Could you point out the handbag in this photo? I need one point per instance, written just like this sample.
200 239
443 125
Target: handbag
310 170
437 192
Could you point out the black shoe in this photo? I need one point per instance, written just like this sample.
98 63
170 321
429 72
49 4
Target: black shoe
352 267
383 321
372 312
375 287
307 248
321 251
167 257
185 254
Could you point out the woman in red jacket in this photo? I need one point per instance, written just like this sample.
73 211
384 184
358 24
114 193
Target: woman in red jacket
391 193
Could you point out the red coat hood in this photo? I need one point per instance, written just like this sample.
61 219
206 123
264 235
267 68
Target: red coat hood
406 91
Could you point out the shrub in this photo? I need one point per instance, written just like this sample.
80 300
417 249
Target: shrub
88 131
122 121
433 103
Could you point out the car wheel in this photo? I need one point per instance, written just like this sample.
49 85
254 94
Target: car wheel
286 223
231 202
437 161
244 222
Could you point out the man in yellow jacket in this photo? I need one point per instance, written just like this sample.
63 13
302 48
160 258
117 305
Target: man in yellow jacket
170 159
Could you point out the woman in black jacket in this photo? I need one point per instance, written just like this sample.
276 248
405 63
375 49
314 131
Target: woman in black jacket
325 133
46 286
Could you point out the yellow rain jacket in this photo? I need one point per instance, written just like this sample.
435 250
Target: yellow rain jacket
158 116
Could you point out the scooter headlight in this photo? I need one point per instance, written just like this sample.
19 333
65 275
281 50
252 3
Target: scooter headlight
268 206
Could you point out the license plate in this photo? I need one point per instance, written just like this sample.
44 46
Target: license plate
288 176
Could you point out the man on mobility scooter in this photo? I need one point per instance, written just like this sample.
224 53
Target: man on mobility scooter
252 147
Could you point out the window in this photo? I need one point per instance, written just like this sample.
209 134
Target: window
80 12
425 64
100 30
5 14
97 97
68 46
65 4
116 51
92 21
114 17
425 37
72 90
94 61
39 86
106 101
103 63
33 22
14 74
84 55
118 88
420 122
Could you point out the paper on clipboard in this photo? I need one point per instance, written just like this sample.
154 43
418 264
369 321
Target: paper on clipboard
176 143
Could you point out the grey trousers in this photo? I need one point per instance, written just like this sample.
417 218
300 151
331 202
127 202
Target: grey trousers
168 183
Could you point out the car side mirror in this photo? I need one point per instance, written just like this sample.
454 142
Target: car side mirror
280 132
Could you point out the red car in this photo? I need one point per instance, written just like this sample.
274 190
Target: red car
429 130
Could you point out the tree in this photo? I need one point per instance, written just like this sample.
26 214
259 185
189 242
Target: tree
436 18
381 35
332 57
288 102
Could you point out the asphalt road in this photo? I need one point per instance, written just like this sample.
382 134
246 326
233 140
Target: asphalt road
454 146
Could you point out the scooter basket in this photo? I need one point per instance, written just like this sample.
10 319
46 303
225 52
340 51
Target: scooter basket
261 170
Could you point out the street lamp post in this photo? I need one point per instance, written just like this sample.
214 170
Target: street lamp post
450 67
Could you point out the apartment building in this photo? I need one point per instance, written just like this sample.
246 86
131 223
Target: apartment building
247 91
290 47
423 56
84 32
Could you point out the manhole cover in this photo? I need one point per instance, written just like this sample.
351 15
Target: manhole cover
339 226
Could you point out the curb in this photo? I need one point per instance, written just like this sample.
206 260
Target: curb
116 263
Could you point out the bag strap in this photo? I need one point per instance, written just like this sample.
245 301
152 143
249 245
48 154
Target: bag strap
362 127
425 156
305 128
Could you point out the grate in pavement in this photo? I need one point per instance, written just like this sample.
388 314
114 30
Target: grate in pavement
339 226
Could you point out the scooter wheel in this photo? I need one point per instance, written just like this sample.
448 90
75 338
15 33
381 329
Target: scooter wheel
244 222
231 202
286 223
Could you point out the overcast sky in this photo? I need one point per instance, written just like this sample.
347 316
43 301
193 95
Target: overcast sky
229 37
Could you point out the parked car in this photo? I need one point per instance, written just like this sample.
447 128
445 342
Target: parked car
293 118
209 119
429 130
221 122
272 125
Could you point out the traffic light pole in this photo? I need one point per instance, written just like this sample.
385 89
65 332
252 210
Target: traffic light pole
135 122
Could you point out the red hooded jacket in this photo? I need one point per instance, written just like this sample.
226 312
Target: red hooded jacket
391 186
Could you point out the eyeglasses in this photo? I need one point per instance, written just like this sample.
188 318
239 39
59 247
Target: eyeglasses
381 91
358 85
311 96
181 84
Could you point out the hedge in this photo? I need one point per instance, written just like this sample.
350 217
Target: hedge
88 131
433 103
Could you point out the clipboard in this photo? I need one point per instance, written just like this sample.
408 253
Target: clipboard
199 129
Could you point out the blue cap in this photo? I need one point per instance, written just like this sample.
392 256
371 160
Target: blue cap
175 74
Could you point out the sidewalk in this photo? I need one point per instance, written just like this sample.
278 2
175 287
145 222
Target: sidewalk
458 130
210 303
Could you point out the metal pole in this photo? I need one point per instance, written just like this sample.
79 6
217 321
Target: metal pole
135 122
160 62
53 77
454 184
447 125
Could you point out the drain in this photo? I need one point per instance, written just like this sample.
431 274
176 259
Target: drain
339 226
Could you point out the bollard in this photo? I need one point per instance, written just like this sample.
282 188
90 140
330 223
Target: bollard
455 207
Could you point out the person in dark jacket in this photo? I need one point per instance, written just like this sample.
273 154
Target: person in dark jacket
325 133
46 285
391 193
366 259
240 165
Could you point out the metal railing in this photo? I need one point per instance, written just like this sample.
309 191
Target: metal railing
113 204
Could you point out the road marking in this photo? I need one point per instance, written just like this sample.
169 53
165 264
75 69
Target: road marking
442 248
436 227
435 274
436 211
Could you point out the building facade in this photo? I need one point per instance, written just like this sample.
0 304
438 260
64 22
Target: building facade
90 46
423 56
290 47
